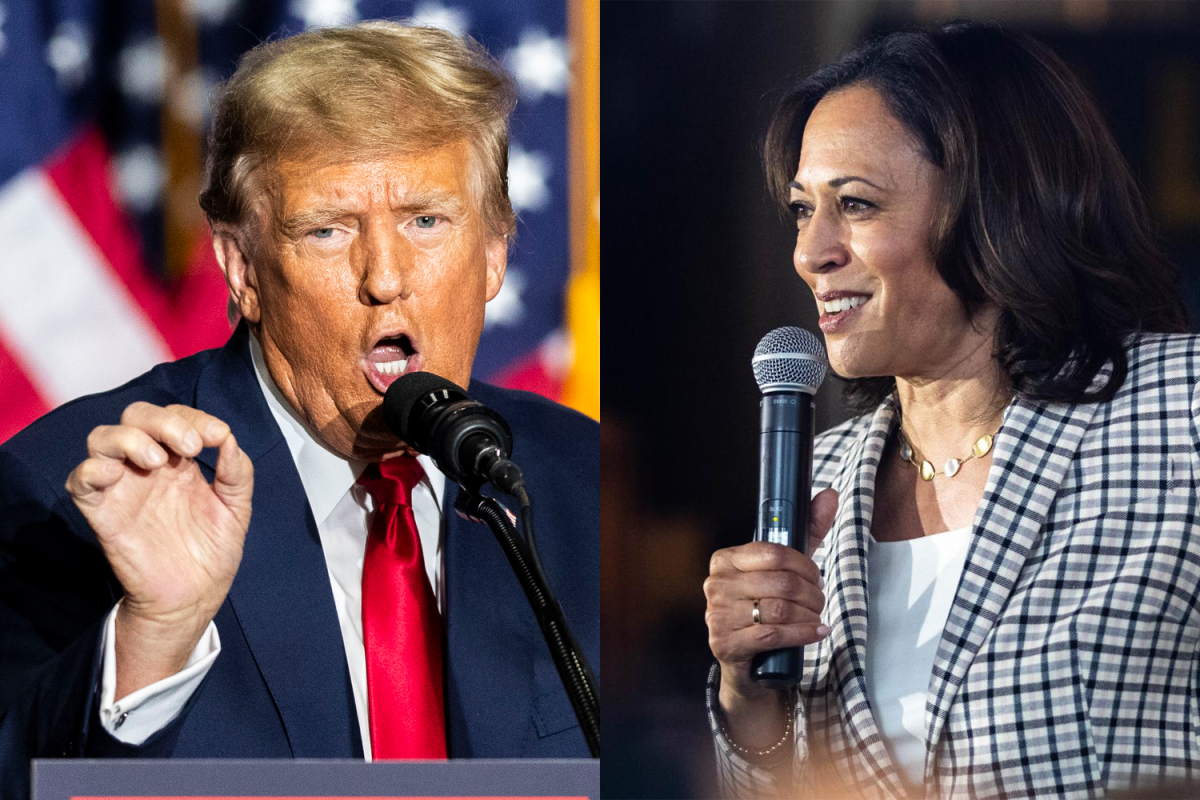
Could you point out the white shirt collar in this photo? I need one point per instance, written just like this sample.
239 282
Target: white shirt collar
325 475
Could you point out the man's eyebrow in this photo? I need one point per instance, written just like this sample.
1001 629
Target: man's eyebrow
420 200
838 182
303 221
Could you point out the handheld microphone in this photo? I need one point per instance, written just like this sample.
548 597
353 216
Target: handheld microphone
789 365
468 441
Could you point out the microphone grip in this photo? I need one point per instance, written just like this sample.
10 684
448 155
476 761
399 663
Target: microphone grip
785 495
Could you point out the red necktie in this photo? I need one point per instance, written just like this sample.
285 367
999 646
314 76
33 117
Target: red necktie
402 629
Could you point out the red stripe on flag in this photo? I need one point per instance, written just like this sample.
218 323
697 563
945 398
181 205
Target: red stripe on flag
530 375
199 301
19 400
80 173
191 316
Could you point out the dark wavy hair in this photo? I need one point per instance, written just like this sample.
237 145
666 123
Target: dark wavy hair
1039 212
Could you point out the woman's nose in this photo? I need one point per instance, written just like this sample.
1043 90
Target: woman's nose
821 243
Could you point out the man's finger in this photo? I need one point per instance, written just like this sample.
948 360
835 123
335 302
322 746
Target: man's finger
126 443
87 482
821 515
233 481
212 430
168 427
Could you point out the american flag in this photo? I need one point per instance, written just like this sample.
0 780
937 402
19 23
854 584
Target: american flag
105 266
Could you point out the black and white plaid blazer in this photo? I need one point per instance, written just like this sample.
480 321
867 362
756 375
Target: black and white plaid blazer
1068 665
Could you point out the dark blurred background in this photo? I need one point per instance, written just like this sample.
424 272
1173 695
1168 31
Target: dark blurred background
698 268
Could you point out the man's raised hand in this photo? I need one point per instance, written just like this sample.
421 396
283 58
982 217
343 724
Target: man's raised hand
173 539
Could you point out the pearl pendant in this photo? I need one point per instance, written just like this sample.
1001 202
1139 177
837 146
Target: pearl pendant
927 471
906 451
952 467
982 446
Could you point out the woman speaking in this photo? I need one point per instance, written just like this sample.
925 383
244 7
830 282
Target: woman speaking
1004 601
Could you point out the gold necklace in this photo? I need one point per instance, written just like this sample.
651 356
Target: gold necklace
982 446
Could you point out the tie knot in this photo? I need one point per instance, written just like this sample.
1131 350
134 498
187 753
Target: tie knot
392 481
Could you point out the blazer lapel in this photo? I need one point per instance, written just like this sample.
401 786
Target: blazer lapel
1033 450
846 586
281 595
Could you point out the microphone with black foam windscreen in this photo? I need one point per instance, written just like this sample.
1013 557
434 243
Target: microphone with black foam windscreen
468 441
789 365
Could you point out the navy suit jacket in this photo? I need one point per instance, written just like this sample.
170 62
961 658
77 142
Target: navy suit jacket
280 687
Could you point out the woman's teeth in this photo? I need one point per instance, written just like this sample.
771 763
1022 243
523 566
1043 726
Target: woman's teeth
392 367
843 304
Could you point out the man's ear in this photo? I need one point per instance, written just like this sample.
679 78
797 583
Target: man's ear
239 274
497 262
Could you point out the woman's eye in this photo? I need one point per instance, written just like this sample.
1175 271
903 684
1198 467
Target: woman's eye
800 210
854 204
426 221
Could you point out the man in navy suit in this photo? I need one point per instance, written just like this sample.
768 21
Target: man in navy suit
196 588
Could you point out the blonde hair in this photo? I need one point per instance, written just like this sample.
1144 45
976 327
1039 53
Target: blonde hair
365 92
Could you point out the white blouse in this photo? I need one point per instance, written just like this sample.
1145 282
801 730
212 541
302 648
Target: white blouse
910 587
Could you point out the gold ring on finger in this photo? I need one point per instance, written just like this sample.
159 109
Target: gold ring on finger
756 614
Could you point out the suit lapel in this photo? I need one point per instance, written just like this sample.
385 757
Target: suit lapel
281 595
846 586
1033 450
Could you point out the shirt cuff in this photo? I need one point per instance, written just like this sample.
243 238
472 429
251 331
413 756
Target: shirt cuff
150 709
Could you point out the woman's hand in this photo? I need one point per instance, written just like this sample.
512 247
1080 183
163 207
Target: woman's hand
786 584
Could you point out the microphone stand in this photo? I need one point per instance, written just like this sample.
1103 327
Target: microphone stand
573 668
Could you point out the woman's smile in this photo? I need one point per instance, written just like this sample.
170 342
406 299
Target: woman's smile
838 309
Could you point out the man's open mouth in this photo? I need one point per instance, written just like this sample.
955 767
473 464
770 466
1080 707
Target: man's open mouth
391 357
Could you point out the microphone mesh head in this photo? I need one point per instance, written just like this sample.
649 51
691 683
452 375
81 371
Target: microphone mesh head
789 358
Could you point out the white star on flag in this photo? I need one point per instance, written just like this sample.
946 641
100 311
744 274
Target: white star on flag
540 64
436 15
210 12
557 353
139 176
527 174
143 70
69 53
325 13
506 307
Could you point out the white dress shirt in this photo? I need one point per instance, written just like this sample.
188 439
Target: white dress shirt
910 588
341 509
